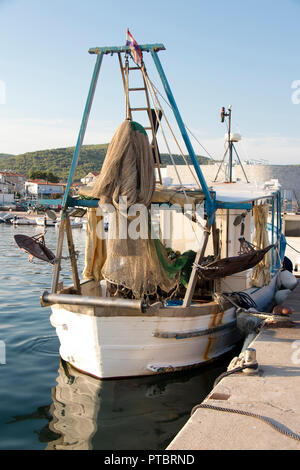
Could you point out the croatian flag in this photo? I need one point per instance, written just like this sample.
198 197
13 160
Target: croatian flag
136 51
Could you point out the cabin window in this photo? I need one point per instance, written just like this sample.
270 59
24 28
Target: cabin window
292 228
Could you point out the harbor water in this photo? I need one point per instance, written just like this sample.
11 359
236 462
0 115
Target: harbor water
46 404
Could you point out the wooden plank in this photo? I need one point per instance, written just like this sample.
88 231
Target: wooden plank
56 267
136 89
194 275
216 240
72 254
206 309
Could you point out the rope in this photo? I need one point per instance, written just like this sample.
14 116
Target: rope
202 146
169 126
263 316
276 426
292 247
163 134
157 107
244 299
233 371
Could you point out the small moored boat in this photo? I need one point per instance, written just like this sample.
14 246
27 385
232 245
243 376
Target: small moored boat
146 304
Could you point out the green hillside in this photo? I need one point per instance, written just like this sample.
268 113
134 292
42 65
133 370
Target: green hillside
4 156
58 161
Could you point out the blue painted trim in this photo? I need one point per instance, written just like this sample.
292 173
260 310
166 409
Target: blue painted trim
50 202
194 333
273 220
114 49
210 204
82 130
233 205
72 202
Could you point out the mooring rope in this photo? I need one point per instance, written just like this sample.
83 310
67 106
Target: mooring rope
271 422
297 251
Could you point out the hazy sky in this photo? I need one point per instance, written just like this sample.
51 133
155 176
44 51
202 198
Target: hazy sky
244 53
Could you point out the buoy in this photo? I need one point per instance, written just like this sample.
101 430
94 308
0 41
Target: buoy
282 310
287 280
281 295
287 264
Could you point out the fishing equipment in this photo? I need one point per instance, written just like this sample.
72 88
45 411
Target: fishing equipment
232 265
116 327
139 265
35 247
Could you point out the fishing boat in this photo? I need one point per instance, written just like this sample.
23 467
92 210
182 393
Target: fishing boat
165 301
16 220
4 217
75 222
45 222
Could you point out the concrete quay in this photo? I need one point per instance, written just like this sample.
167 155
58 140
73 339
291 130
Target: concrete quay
273 392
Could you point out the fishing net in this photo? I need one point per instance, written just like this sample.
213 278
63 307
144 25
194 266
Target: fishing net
128 168
261 274
136 261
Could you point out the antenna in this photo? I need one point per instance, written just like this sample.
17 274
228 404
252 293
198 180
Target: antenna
230 138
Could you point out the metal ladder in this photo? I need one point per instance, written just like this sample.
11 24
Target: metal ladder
153 122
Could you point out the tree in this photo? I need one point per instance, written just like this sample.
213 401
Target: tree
43 175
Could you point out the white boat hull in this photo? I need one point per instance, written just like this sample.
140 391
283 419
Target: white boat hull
23 221
77 223
48 223
110 346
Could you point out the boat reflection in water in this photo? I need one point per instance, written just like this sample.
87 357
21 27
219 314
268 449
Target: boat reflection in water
137 413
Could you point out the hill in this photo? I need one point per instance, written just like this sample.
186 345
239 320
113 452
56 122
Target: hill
5 156
58 161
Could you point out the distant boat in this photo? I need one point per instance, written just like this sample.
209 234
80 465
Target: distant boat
5 218
22 221
75 223
106 224
8 218
45 222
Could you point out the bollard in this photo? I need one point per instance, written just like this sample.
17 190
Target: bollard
250 359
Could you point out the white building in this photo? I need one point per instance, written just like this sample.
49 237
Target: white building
90 178
41 188
4 185
7 199
14 182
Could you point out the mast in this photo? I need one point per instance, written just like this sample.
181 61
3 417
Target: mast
69 201
231 138
230 143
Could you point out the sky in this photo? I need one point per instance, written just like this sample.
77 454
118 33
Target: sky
244 54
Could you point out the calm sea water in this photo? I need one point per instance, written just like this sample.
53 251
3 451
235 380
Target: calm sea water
45 404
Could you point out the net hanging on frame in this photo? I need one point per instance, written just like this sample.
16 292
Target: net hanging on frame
138 264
